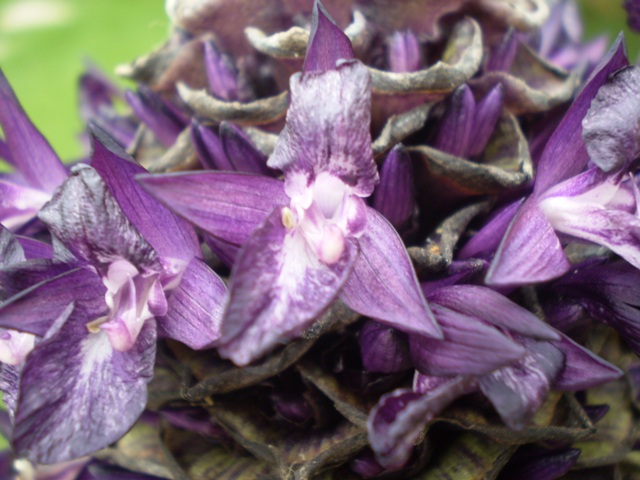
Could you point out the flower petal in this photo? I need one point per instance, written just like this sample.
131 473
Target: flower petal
169 235
611 127
221 75
530 251
209 148
229 206
517 391
87 219
156 114
327 43
36 309
456 125
394 196
19 204
327 130
195 307
582 369
470 347
492 307
396 422
242 154
383 349
31 154
84 379
566 142
277 288
11 252
383 284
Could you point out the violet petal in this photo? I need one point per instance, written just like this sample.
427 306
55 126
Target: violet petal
582 368
155 113
327 130
36 309
492 307
241 153
517 391
487 114
220 73
383 284
209 147
566 142
457 123
195 307
383 349
530 251
87 219
275 293
168 235
470 347
227 205
84 378
327 43
394 196
31 154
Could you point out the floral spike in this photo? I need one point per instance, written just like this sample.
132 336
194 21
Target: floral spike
327 43
321 231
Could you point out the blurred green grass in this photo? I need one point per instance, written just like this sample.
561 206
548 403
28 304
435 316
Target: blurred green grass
44 43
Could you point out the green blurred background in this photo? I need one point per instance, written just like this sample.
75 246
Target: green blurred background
44 43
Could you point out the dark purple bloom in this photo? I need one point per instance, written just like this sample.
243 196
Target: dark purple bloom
130 271
315 237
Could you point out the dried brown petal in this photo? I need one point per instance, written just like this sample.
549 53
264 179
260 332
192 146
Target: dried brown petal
259 112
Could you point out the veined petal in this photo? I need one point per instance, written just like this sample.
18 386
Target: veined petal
530 251
195 307
470 347
85 379
327 130
457 123
19 204
240 152
35 248
487 240
227 205
36 309
400 416
383 349
156 114
220 73
584 217
327 43
394 197
487 114
582 369
277 288
31 154
517 391
611 128
169 235
209 148
383 284
87 219
14 346
492 307
404 52
566 142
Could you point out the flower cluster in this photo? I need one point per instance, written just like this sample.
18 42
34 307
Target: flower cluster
373 239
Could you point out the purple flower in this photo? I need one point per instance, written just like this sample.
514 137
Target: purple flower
124 271
37 168
306 241
590 205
